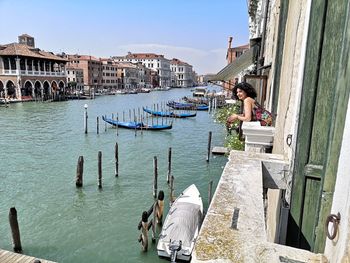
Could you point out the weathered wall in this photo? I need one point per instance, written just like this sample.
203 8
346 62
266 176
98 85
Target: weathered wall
289 96
338 250
291 77
270 46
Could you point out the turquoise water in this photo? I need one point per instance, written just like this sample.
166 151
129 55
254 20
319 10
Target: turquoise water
40 145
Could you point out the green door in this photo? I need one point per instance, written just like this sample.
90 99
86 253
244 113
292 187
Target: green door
325 40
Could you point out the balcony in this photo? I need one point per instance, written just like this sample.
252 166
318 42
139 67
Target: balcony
32 73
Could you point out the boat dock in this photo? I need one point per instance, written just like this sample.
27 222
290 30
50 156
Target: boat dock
220 150
11 257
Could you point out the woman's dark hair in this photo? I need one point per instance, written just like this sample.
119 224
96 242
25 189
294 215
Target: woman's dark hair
161 195
144 216
245 87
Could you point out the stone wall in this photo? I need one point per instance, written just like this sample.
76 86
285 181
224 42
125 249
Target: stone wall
289 94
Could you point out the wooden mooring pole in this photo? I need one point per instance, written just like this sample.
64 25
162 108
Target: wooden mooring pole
80 170
86 119
97 125
16 237
99 169
155 180
116 158
209 145
172 190
169 165
117 130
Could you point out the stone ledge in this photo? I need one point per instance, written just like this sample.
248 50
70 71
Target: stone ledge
241 186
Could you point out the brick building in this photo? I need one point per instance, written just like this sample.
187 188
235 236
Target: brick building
92 70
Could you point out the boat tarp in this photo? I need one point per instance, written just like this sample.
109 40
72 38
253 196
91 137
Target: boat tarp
182 224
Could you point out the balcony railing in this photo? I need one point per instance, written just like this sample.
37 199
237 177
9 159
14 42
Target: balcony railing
32 73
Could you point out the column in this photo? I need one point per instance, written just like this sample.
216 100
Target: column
26 66
18 73
18 65
2 65
9 64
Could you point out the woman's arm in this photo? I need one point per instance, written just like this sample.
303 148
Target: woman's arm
248 107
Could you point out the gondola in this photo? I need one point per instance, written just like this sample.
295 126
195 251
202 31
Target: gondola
186 106
169 114
137 125
203 101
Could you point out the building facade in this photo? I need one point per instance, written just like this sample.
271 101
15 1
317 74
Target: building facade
184 75
302 72
28 73
75 80
110 78
152 61
92 71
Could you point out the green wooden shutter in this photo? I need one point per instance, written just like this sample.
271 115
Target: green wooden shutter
325 39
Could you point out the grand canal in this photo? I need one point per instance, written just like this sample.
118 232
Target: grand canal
40 146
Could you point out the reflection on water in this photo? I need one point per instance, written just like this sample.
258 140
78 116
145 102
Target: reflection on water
40 145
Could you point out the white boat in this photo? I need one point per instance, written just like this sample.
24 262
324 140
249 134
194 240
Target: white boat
199 92
181 226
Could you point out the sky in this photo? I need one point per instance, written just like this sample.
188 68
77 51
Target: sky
194 31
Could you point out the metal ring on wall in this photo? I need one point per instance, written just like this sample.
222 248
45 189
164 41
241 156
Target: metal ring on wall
335 219
289 139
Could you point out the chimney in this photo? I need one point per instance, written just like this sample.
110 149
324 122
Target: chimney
229 42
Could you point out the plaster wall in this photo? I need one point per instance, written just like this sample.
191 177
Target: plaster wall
289 98
291 77
270 46
255 22
338 250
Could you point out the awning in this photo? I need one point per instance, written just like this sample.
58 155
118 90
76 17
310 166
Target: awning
235 67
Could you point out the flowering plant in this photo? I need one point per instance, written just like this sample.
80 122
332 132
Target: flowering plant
232 139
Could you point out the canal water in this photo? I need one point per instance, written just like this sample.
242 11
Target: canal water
40 145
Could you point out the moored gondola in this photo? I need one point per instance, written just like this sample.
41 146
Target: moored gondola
137 125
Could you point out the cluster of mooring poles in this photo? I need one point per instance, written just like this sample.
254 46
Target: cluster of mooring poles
157 208
80 168
138 115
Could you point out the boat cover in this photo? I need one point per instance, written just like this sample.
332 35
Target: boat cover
183 222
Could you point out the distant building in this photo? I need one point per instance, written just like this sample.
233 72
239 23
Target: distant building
92 70
184 75
232 54
129 73
152 61
110 78
75 80
203 79
28 73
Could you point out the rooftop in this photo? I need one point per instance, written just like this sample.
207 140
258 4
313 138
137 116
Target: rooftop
15 49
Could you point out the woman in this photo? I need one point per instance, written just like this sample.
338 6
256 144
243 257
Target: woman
246 93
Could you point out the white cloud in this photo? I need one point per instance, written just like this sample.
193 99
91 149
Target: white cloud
203 61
